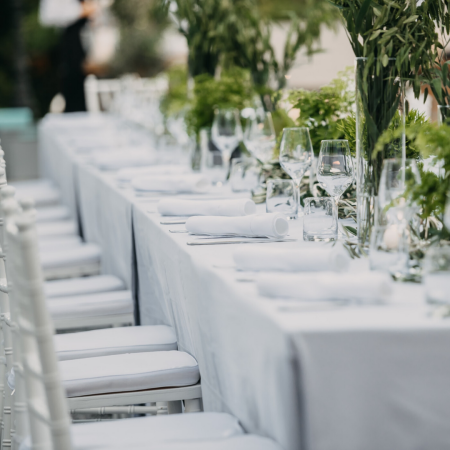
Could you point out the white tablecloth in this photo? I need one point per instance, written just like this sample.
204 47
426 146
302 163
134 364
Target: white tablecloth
343 378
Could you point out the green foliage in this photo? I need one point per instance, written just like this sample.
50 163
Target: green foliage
395 29
234 89
397 40
238 33
431 140
140 34
322 111
199 21
176 97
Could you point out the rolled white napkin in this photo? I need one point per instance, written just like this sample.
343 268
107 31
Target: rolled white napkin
264 225
124 158
232 208
370 286
191 182
301 259
126 175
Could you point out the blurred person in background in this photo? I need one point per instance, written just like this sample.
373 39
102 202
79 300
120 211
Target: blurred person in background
73 16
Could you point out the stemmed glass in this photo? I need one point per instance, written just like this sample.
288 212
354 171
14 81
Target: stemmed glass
396 176
259 136
296 154
335 167
226 132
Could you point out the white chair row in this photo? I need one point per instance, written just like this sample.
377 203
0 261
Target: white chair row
44 377
121 361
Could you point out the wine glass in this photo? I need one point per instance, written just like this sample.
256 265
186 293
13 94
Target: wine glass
259 136
396 176
226 132
335 167
296 154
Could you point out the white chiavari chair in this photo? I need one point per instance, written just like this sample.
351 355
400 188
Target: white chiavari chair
47 404
71 346
100 93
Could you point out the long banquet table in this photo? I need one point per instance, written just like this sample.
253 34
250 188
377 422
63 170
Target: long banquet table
310 377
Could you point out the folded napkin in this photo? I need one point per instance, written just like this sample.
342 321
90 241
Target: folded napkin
192 182
180 207
302 259
116 160
125 175
370 286
261 225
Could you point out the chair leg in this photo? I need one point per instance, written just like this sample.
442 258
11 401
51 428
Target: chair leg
194 405
2 387
162 408
7 419
174 407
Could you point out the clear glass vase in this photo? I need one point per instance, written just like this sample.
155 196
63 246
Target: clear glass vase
443 114
380 107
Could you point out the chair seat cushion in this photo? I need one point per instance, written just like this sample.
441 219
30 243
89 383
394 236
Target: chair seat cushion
58 228
129 372
152 431
80 255
42 191
94 305
59 242
83 286
142 430
246 442
52 213
115 341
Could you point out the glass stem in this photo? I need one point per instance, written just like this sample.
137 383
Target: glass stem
297 183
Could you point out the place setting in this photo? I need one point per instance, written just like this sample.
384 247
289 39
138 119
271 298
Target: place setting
225 225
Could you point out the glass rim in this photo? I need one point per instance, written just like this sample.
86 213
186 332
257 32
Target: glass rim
295 128
399 159
318 198
365 58
334 140
272 180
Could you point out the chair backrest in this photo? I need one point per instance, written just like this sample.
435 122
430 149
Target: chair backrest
13 407
47 405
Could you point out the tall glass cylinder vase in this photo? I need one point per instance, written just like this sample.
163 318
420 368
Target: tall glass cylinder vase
380 107
443 114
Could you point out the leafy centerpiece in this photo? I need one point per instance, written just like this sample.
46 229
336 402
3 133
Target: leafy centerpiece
393 41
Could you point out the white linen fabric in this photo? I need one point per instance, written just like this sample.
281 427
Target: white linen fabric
126 175
192 182
52 213
370 286
83 286
115 341
264 225
251 349
176 428
314 258
248 442
82 254
106 217
58 228
231 207
103 304
124 158
129 372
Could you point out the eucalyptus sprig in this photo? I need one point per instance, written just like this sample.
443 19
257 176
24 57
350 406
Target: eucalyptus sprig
234 89
321 111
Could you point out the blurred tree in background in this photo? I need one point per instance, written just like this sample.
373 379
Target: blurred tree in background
140 33
28 57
